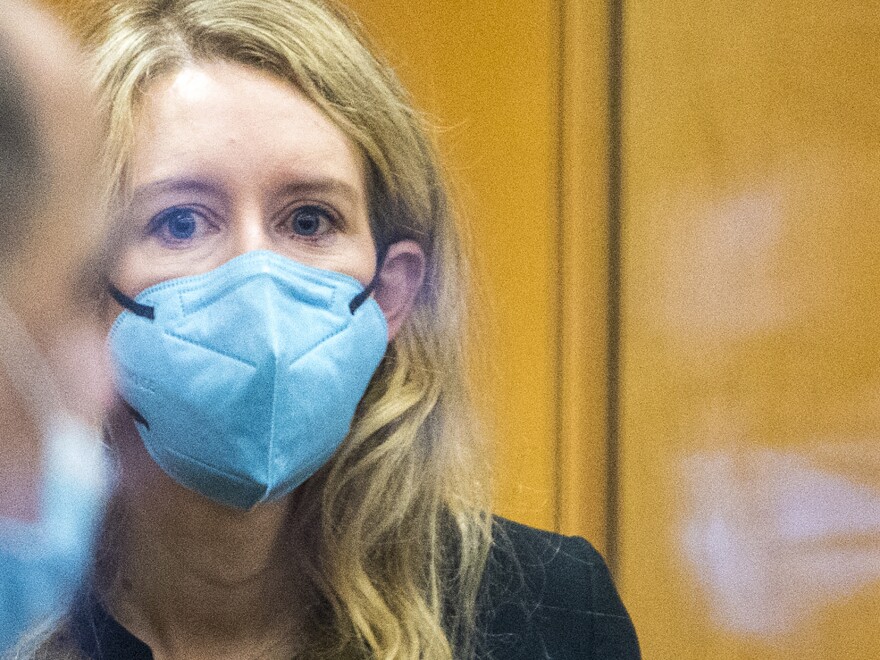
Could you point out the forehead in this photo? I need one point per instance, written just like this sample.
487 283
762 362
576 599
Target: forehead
226 118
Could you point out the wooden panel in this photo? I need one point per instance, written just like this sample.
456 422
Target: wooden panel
751 381
493 99
583 277
488 71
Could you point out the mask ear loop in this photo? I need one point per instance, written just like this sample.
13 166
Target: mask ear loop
146 311
361 298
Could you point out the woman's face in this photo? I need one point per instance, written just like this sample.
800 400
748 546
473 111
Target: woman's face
228 159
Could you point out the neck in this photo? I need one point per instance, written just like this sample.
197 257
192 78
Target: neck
193 574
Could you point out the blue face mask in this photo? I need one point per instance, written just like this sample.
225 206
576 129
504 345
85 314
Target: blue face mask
43 561
244 381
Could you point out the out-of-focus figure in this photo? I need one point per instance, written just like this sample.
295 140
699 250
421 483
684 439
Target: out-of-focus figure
54 381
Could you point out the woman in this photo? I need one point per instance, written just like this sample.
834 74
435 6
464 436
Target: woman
299 472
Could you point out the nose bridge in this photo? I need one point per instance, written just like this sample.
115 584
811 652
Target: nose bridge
250 230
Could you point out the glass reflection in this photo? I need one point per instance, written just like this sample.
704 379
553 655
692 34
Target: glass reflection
772 536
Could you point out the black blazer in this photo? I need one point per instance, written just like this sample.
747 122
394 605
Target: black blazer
544 596
551 596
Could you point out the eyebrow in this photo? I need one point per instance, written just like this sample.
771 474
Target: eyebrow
324 185
320 185
173 185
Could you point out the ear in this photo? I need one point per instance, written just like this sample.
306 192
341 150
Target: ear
399 282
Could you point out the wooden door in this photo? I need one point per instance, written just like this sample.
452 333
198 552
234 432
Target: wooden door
750 465
517 90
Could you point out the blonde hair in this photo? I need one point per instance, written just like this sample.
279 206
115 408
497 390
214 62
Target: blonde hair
394 532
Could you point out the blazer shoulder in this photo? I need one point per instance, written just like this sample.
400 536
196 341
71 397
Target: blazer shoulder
554 595
563 571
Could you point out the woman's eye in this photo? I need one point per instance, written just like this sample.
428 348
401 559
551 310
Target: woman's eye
176 225
310 221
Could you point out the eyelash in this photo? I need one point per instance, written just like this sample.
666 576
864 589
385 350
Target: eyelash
159 224
332 219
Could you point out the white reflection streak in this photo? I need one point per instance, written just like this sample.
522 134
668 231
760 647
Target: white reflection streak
720 282
772 537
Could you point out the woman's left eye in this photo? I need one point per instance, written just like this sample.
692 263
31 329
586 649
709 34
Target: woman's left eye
179 226
310 221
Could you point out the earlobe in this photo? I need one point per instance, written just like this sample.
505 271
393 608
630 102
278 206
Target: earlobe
399 282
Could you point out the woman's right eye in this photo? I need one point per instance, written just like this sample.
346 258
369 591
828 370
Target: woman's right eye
178 226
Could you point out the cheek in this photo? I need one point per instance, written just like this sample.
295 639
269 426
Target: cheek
132 273
359 260
138 269
354 256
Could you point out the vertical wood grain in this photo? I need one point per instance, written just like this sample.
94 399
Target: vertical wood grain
751 370
584 270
